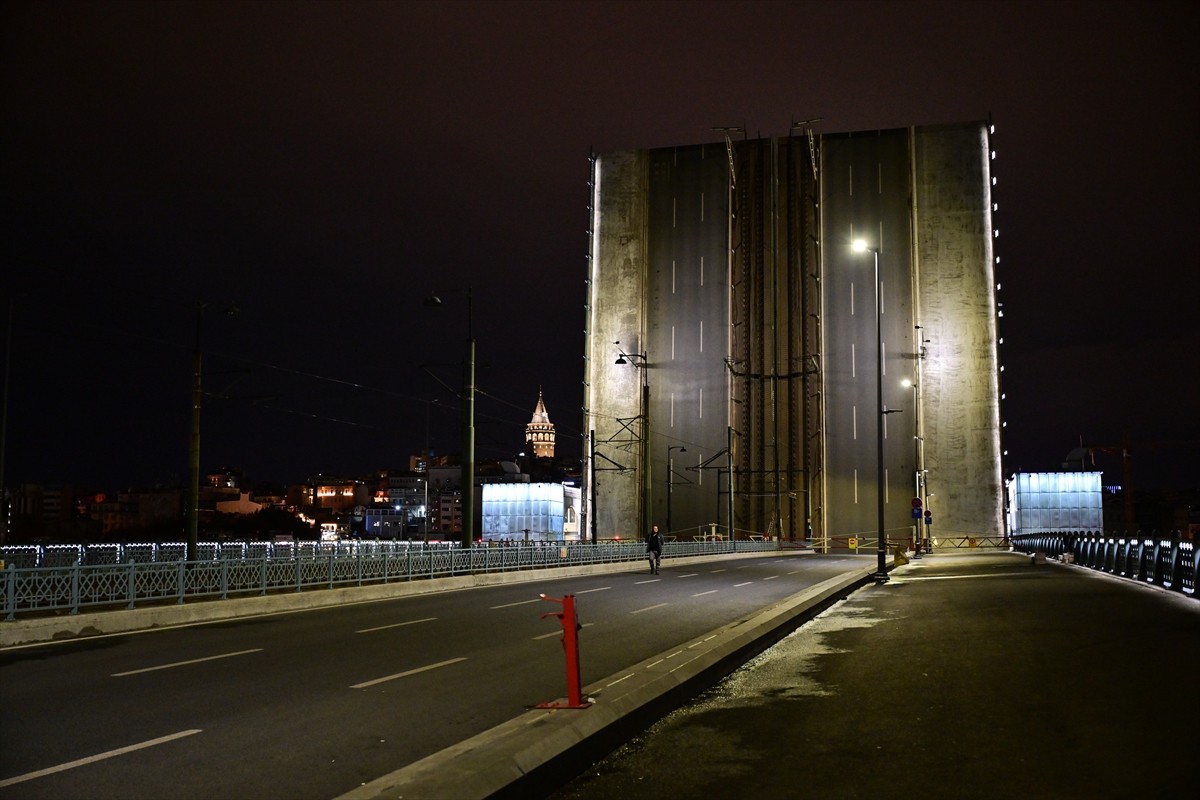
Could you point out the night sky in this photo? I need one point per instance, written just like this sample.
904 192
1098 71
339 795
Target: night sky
325 166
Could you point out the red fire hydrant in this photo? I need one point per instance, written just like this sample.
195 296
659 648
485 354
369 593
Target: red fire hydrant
570 641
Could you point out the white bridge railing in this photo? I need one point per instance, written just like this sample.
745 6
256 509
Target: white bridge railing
73 577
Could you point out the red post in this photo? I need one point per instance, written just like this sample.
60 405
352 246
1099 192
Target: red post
570 641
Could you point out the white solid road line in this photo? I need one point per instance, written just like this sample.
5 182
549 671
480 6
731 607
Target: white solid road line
601 589
648 608
28 776
747 583
559 632
648 580
426 668
185 663
396 625
701 594
518 603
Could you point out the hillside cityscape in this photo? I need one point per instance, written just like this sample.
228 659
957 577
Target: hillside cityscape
421 501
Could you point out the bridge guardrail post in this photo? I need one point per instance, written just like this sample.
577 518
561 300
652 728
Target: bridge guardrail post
10 592
1173 569
1195 570
1155 576
131 586
75 588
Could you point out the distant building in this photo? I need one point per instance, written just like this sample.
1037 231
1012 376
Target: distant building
445 515
539 433
329 493
243 505
225 478
136 510
1055 502
517 512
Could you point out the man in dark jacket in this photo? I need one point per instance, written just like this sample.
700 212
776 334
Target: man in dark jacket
654 545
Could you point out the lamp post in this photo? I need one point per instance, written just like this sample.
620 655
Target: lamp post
467 478
880 576
12 307
917 441
639 361
671 481
193 508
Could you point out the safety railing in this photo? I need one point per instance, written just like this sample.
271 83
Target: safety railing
1166 561
237 570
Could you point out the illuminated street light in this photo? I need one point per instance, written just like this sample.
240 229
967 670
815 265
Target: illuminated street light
880 576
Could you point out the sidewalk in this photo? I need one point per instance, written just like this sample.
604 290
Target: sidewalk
980 675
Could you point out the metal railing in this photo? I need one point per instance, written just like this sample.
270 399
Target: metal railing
1166 561
145 576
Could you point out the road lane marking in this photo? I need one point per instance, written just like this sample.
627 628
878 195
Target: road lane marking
648 608
664 658
648 580
715 571
773 577
689 575
701 594
747 583
601 589
519 603
28 776
793 572
396 625
961 577
556 633
618 680
405 674
185 663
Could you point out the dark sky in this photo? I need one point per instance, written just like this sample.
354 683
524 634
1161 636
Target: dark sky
324 166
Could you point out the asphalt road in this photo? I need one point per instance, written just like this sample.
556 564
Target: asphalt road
311 704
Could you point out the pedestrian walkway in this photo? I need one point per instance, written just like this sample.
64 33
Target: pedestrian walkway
981 675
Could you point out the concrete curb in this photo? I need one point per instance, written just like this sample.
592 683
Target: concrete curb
38 630
535 752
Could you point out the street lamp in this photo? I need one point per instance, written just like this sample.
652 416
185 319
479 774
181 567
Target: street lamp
467 478
671 480
880 576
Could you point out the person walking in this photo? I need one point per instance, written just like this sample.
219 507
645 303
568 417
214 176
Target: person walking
654 546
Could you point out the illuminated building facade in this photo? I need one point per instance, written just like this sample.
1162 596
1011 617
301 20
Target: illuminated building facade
732 350
332 494
1054 502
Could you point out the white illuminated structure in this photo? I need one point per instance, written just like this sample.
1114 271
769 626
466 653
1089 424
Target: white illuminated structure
1047 502
535 512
